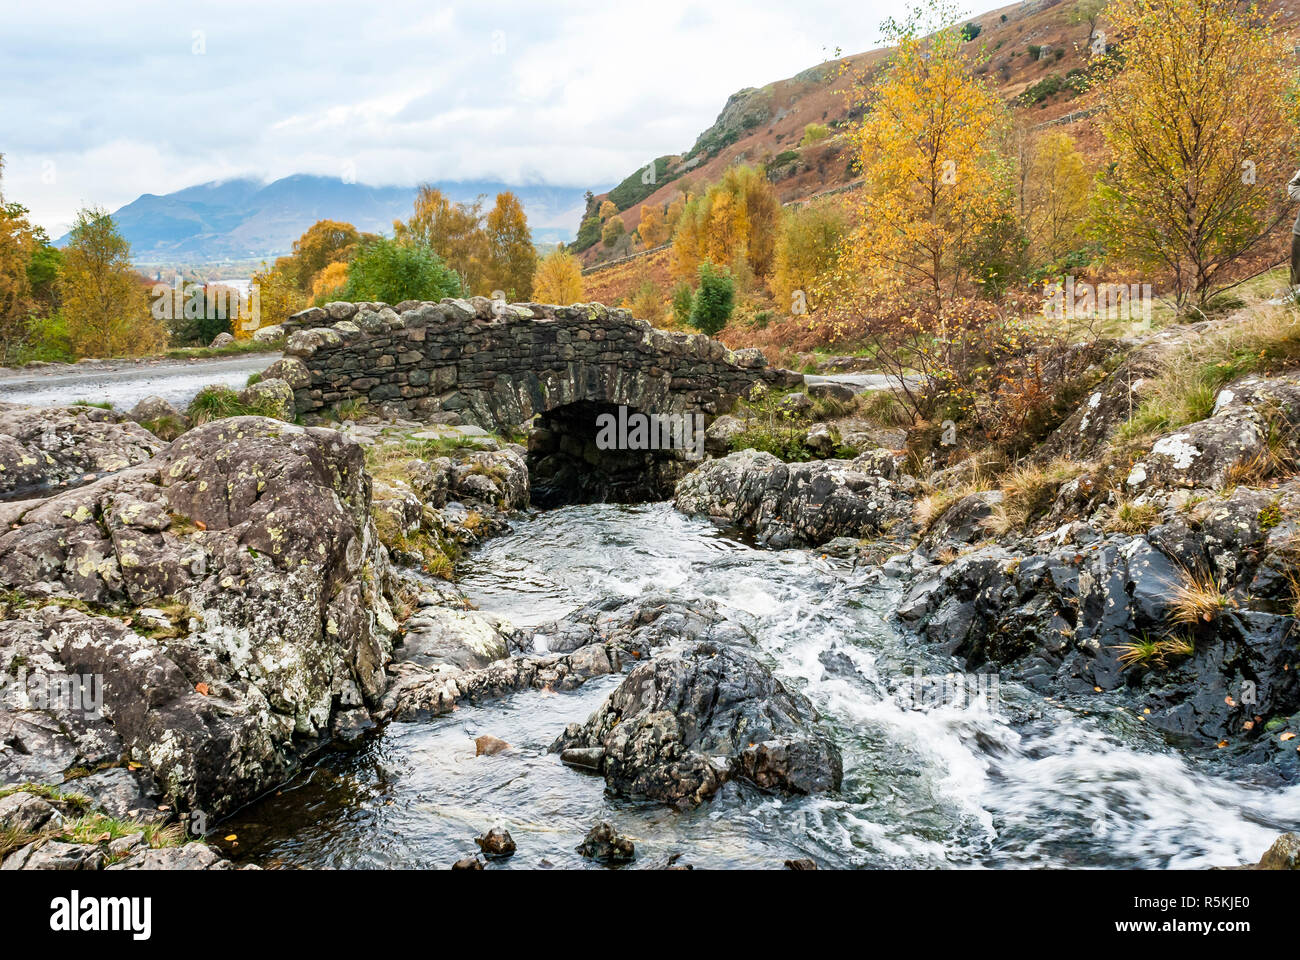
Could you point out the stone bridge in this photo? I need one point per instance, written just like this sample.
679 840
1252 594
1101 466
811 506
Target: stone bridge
501 365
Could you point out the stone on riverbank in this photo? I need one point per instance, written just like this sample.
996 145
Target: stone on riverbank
680 726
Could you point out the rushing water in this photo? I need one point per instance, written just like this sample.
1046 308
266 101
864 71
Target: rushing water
1028 783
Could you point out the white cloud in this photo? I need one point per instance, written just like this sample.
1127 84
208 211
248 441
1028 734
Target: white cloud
574 93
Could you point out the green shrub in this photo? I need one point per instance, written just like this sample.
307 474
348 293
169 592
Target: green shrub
391 272
714 300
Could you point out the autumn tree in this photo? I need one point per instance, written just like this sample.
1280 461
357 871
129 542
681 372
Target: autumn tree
17 246
558 278
934 177
647 302
1054 197
607 210
277 298
806 246
1196 120
653 227
734 223
325 242
329 282
105 301
454 231
511 253
612 230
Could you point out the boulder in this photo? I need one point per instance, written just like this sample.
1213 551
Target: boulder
683 724
829 390
43 447
799 504
155 408
257 536
272 397
221 340
496 843
638 626
269 333
604 844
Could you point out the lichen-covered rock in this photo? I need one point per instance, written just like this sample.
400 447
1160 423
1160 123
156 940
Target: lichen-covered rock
681 725
271 396
256 538
43 447
417 692
791 504
1248 415
155 408
637 625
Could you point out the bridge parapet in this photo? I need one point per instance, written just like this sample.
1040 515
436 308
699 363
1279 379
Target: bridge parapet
498 365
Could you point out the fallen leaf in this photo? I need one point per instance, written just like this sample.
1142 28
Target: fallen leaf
202 688
1222 744
200 524
1287 736
232 838
1229 701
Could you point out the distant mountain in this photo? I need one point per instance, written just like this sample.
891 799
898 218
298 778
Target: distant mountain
245 219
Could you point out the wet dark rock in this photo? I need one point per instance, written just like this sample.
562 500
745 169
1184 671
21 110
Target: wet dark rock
799 504
604 844
1059 621
963 521
497 842
468 863
803 863
583 758
683 724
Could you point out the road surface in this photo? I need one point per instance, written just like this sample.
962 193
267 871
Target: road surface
123 383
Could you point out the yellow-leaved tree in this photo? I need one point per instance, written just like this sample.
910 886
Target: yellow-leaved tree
653 227
1196 119
17 244
806 247
511 253
277 298
1056 184
936 184
105 301
452 230
329 282
734 223
558 278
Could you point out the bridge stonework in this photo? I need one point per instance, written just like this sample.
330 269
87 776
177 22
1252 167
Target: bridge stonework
498 365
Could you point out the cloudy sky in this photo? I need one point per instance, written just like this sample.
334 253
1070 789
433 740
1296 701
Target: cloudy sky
100 102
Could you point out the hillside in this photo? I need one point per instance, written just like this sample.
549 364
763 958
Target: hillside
245 219
1034 53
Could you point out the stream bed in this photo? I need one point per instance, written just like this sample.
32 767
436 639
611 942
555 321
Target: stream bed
1020 783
